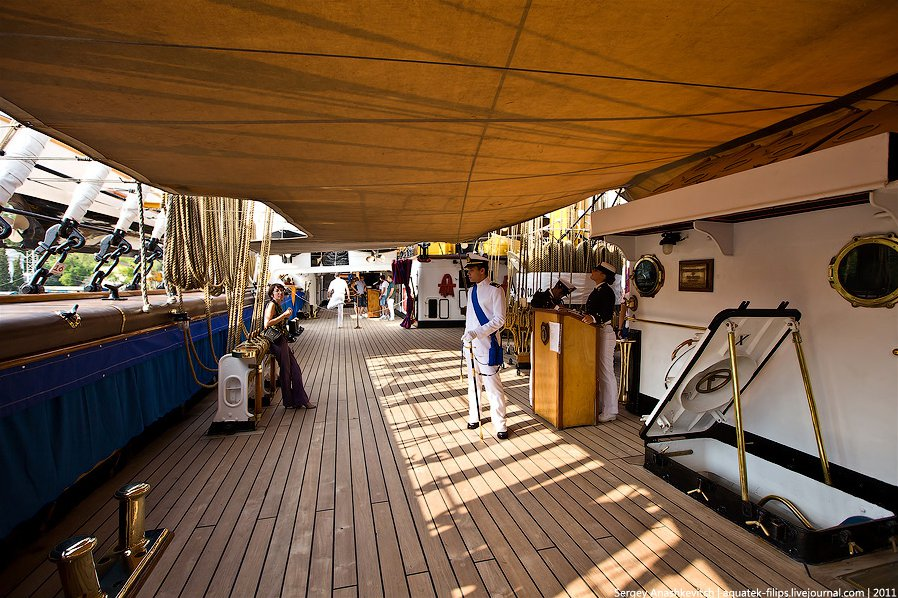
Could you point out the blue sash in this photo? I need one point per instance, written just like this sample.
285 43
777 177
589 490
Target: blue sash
495 357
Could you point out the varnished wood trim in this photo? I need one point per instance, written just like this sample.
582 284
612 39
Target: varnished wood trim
20 361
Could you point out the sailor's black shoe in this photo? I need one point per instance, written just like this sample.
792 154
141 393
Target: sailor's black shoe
474 426
502 435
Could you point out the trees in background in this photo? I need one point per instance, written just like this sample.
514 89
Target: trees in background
5 280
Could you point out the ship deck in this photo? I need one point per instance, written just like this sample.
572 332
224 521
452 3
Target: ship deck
382 491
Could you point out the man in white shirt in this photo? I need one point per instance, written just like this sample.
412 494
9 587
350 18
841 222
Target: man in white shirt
484 320
337 291
382 286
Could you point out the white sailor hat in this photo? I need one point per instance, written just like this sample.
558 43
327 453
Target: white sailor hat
566 288
475 259
606 268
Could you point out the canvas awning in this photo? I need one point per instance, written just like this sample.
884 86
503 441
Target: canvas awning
388 121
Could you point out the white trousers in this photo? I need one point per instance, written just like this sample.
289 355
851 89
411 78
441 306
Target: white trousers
339 309
391 303
494 394
607 381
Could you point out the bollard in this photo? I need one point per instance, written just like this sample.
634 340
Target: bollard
132 540
74 559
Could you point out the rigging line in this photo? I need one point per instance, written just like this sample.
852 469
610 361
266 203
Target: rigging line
47 158
507 69
499 86
73 179
425 120
102 229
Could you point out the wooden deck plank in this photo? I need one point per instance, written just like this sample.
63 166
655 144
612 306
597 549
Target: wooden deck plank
369 574
251 567
395 582
382 491
321 569
287 564
429 497
575 585
421 586
510 529
274 570
194 544
477 460
494 579
217 564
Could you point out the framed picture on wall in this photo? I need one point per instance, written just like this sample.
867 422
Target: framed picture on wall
696 275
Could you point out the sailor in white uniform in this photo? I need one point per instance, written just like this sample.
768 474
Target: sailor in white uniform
484 320
337 291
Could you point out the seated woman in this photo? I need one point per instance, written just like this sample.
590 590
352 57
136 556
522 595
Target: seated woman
293 393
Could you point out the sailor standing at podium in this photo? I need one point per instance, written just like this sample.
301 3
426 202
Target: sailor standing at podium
600 311
484 318
551 298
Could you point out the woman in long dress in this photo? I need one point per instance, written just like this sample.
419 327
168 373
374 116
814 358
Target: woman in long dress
293 394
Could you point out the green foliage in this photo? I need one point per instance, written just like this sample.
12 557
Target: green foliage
5 281
78 269
18 275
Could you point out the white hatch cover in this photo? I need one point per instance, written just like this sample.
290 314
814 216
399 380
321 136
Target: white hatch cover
703 392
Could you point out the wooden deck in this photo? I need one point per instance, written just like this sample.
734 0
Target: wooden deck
382 491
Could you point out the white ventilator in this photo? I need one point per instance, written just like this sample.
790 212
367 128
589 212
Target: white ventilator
23 151
86 191
159 227
236 383
129 212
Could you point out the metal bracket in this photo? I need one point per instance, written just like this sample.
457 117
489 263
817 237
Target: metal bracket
759 525
886 200
720 232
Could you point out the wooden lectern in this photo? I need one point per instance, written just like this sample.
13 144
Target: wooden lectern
565 382
373 303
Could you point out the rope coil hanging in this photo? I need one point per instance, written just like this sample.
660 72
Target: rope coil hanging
206 247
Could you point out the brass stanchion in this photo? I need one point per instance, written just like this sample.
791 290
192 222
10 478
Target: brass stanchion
623 389
74 559
737 401
812 405
131 538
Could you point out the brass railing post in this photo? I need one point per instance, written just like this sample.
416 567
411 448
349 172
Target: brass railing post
132 539
623 393
74 559
737 402
812 405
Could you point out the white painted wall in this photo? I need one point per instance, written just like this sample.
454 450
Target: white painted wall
848 350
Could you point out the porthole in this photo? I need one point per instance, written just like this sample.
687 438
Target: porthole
648 275
865 271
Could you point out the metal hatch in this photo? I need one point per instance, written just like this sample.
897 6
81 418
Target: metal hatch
703 392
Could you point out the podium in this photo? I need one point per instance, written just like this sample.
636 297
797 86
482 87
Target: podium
564 356
373 303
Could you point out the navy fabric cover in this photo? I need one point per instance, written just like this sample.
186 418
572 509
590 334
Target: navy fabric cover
60 417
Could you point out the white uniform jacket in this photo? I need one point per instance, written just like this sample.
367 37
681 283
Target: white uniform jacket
492 302
340 289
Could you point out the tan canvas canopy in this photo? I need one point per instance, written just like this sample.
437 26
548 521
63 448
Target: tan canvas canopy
387 121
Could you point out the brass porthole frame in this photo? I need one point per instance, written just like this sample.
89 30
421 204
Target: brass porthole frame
891 241
658 268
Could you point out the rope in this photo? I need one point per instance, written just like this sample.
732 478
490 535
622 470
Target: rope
206 247
264 251
143 254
